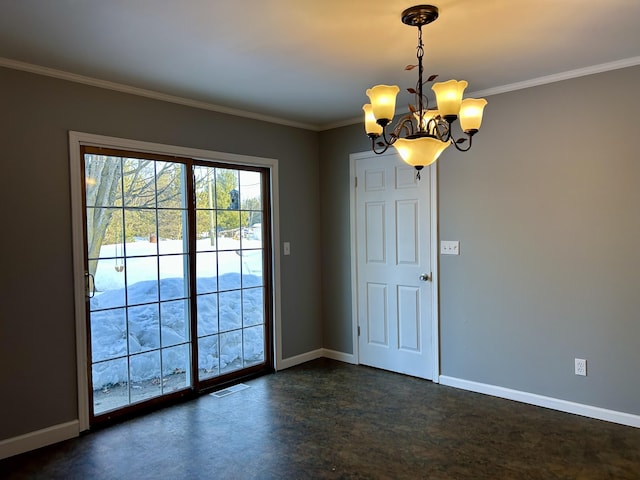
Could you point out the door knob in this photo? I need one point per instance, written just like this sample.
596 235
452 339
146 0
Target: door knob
425 277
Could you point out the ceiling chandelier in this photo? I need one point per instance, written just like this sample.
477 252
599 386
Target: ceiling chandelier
423 134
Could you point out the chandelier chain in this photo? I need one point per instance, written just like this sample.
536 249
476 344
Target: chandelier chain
420 55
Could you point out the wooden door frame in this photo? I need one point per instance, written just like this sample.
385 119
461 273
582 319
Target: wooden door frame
435 277
78 139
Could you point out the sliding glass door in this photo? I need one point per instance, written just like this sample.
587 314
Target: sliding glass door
230 286
177 273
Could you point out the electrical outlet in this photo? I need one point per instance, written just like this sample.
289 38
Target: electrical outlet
581 367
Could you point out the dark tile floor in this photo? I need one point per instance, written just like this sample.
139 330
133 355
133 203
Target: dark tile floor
327 419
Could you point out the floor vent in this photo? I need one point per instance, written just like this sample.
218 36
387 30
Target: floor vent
228 391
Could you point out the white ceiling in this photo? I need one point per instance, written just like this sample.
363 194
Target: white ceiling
308 62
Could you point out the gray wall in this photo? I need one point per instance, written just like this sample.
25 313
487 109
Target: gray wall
37 329
546 207
335 147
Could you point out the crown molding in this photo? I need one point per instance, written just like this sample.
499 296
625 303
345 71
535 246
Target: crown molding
119 87
142 92
512 87
558 77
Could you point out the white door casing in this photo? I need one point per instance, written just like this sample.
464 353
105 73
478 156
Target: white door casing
394 240
76 140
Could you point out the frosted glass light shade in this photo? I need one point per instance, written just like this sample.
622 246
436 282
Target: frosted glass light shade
420 151
449 96
471 114
370 125
383 101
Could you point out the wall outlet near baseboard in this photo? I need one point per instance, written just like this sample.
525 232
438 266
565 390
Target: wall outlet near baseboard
581 367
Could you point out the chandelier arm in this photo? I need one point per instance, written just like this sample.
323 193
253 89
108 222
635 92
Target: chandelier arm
393 136
374 145
457 145
442 136
405 125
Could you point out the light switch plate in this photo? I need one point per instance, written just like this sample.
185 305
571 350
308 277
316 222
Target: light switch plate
286 246
449 247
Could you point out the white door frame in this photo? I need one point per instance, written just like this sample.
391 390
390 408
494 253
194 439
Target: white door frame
76 140
435 311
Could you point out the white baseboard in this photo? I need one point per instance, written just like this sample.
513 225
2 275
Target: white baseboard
58 433
38 439
340 356
65 431
313 355
542 401
298 359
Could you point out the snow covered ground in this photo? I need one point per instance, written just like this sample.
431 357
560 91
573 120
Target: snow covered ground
143 310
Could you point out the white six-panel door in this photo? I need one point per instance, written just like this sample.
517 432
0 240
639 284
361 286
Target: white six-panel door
393 242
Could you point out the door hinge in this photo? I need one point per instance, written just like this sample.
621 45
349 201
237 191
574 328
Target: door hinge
356 182
358 330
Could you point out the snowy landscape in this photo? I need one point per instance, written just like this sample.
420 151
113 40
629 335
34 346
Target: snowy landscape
141 308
